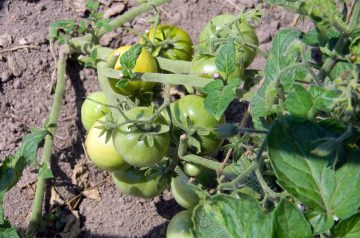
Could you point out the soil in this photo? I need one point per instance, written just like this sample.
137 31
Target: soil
25 100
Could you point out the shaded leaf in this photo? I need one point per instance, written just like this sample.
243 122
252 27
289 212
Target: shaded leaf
228 217
310 178
290 222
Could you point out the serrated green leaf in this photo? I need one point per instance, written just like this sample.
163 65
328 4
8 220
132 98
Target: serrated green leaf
282 54
129 58
290 222
298 102
348 228
323 100
225 59
309 178
219 96
228 217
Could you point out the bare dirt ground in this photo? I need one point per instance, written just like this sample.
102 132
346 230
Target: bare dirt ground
26 79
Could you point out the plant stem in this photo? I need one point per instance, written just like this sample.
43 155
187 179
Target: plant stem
174 66
36 214
256 164
340 44
130 15
210 164
173 79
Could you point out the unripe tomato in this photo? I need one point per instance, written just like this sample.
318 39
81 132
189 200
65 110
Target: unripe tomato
182 191
193 170
173 42
92 111
136 150
246 30
204 66
102 154
192 106
136 183
145 63
180 226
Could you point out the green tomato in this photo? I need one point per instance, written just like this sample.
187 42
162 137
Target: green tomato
180 226
192 107
182 191
204 66
102 154
246 30
137 183
145 63
92 111
193 170
136 150
179 44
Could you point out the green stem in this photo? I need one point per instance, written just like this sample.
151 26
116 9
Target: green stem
130 15
173 79
256 164
174 66
210 164
36 214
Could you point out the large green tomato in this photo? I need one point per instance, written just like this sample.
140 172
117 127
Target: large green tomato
171 42
136 183
246 30
103 154
180 226
92 111
182 191
145 63
204 66
192 106
136 150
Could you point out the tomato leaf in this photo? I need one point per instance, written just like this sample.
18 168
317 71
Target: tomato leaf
228 217
283 53
319 221
308 177
348 228
129 58
298 102
225 59
219 96
290 222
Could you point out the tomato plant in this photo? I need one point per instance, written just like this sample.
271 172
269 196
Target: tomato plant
288 167
93 109
100 152
138 183
180 226
140 147
144 63
170 42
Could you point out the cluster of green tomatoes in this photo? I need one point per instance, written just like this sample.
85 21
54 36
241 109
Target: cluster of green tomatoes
140 156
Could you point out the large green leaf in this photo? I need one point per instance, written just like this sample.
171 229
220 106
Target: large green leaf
309 178
290 222
282 54
348 228
228 217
